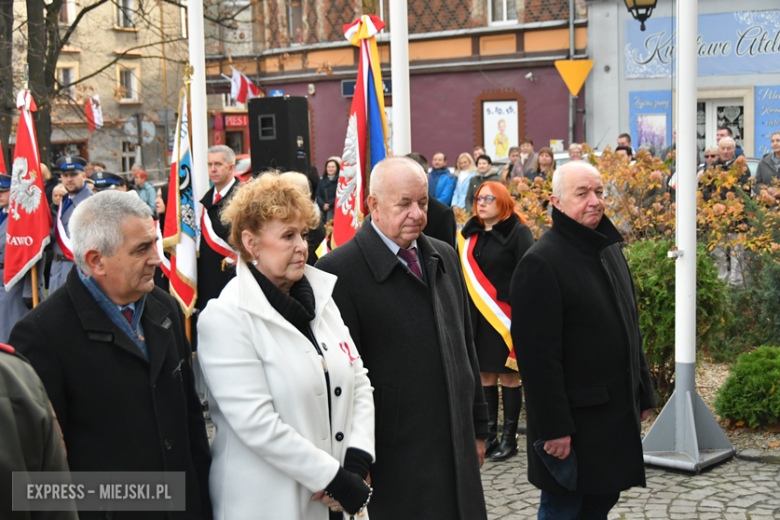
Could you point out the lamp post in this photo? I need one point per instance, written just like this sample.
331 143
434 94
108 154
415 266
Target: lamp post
641 9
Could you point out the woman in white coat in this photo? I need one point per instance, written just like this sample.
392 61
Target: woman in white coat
289 397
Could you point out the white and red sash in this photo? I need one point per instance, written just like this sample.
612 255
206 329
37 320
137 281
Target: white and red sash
214 241
166 263
63 240
485 296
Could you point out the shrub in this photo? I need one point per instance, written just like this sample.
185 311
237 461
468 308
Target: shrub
751 393
654 279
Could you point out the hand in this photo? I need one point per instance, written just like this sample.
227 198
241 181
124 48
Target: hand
559 447
325 499
481 451
326 207
645 414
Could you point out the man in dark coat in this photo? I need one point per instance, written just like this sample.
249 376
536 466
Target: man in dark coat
403 297
579 351
112 352
213 272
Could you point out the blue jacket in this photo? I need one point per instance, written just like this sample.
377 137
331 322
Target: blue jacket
441 184
148 194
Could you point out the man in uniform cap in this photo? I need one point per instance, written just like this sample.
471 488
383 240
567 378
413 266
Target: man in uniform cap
71 169
106 181
17 301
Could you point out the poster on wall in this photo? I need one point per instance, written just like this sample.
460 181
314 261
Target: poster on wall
767 117
499 127
650 112
744 42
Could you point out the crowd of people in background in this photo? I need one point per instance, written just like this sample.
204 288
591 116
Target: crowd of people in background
364 378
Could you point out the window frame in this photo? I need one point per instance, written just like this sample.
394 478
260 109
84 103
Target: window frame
74 66
136 69
289 13
503 22
131 156
123 16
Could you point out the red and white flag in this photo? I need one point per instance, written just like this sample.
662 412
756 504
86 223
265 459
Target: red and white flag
242 88
94 113
29 219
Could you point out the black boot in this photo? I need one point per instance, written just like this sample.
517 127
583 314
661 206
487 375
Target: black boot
513 403
491 398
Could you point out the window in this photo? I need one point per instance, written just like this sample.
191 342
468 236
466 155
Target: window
67 74
124 14
238 38
67 12
502 12
383 12
128 84
128 155
229 103
295 21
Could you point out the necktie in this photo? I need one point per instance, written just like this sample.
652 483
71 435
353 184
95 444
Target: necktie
217 197
410 256
128 314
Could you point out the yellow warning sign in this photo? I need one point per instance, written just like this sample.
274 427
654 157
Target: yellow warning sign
574 73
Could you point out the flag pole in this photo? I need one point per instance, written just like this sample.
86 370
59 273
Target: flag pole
188 71
34 269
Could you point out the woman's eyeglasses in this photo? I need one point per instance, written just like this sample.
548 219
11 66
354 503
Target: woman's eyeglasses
488 199
711 156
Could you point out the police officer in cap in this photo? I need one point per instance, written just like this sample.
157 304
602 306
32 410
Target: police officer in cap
71 168
106 180
17 301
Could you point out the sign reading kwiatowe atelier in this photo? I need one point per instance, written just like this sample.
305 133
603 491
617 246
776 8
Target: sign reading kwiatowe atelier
767 117
728 43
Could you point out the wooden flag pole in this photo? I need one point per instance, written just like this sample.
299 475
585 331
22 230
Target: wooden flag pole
188 328
35 285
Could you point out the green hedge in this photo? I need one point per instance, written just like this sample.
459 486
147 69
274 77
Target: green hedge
654 279
752 391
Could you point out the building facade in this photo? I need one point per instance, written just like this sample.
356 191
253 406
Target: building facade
130 54
472 64
634 89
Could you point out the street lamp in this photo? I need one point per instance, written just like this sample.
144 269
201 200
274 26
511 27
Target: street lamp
641 9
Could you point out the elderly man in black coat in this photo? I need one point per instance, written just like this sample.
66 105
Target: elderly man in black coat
112 352
404 299
579 350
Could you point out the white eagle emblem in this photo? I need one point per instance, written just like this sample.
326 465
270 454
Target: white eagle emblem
24 193
346 195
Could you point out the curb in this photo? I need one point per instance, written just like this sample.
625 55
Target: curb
759 456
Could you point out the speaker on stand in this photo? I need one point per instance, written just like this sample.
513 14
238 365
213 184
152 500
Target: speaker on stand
279 134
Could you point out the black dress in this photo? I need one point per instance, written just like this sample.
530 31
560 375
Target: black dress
497 253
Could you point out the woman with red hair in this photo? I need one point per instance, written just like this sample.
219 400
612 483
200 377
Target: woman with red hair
490 246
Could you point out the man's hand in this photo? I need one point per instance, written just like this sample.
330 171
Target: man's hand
326 207
559 447
645 414
481 451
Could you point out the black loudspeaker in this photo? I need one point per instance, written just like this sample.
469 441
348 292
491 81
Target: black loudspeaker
279 134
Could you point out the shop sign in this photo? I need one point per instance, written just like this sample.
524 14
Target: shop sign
348 87
232 120
767 117
746 42
650 112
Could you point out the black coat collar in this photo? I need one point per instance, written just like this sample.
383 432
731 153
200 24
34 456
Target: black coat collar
597 239
100 328
382 261
501 231
208 199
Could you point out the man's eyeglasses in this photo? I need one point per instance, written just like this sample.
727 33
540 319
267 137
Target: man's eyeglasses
487 198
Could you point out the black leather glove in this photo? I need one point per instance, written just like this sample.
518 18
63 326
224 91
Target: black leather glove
350 490
28 302
357 461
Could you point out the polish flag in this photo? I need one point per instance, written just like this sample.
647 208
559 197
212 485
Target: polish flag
242 88
94 113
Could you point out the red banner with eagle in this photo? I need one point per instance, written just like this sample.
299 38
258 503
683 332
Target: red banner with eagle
29 218
366 141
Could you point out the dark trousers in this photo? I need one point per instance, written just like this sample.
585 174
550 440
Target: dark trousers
568 507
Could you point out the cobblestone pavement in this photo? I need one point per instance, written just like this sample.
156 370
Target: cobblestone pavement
736 490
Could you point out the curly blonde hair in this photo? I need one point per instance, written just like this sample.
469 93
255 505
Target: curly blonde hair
258 202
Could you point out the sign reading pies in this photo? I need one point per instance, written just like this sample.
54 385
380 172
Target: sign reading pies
232 120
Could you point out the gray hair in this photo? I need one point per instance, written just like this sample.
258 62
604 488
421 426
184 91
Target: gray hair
299 180
97 223
560 174
380 171
774 134
728 140
226 151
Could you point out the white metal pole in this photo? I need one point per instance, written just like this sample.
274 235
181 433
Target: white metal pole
199 123
399 66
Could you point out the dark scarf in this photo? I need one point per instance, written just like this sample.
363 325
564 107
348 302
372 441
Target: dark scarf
296 307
